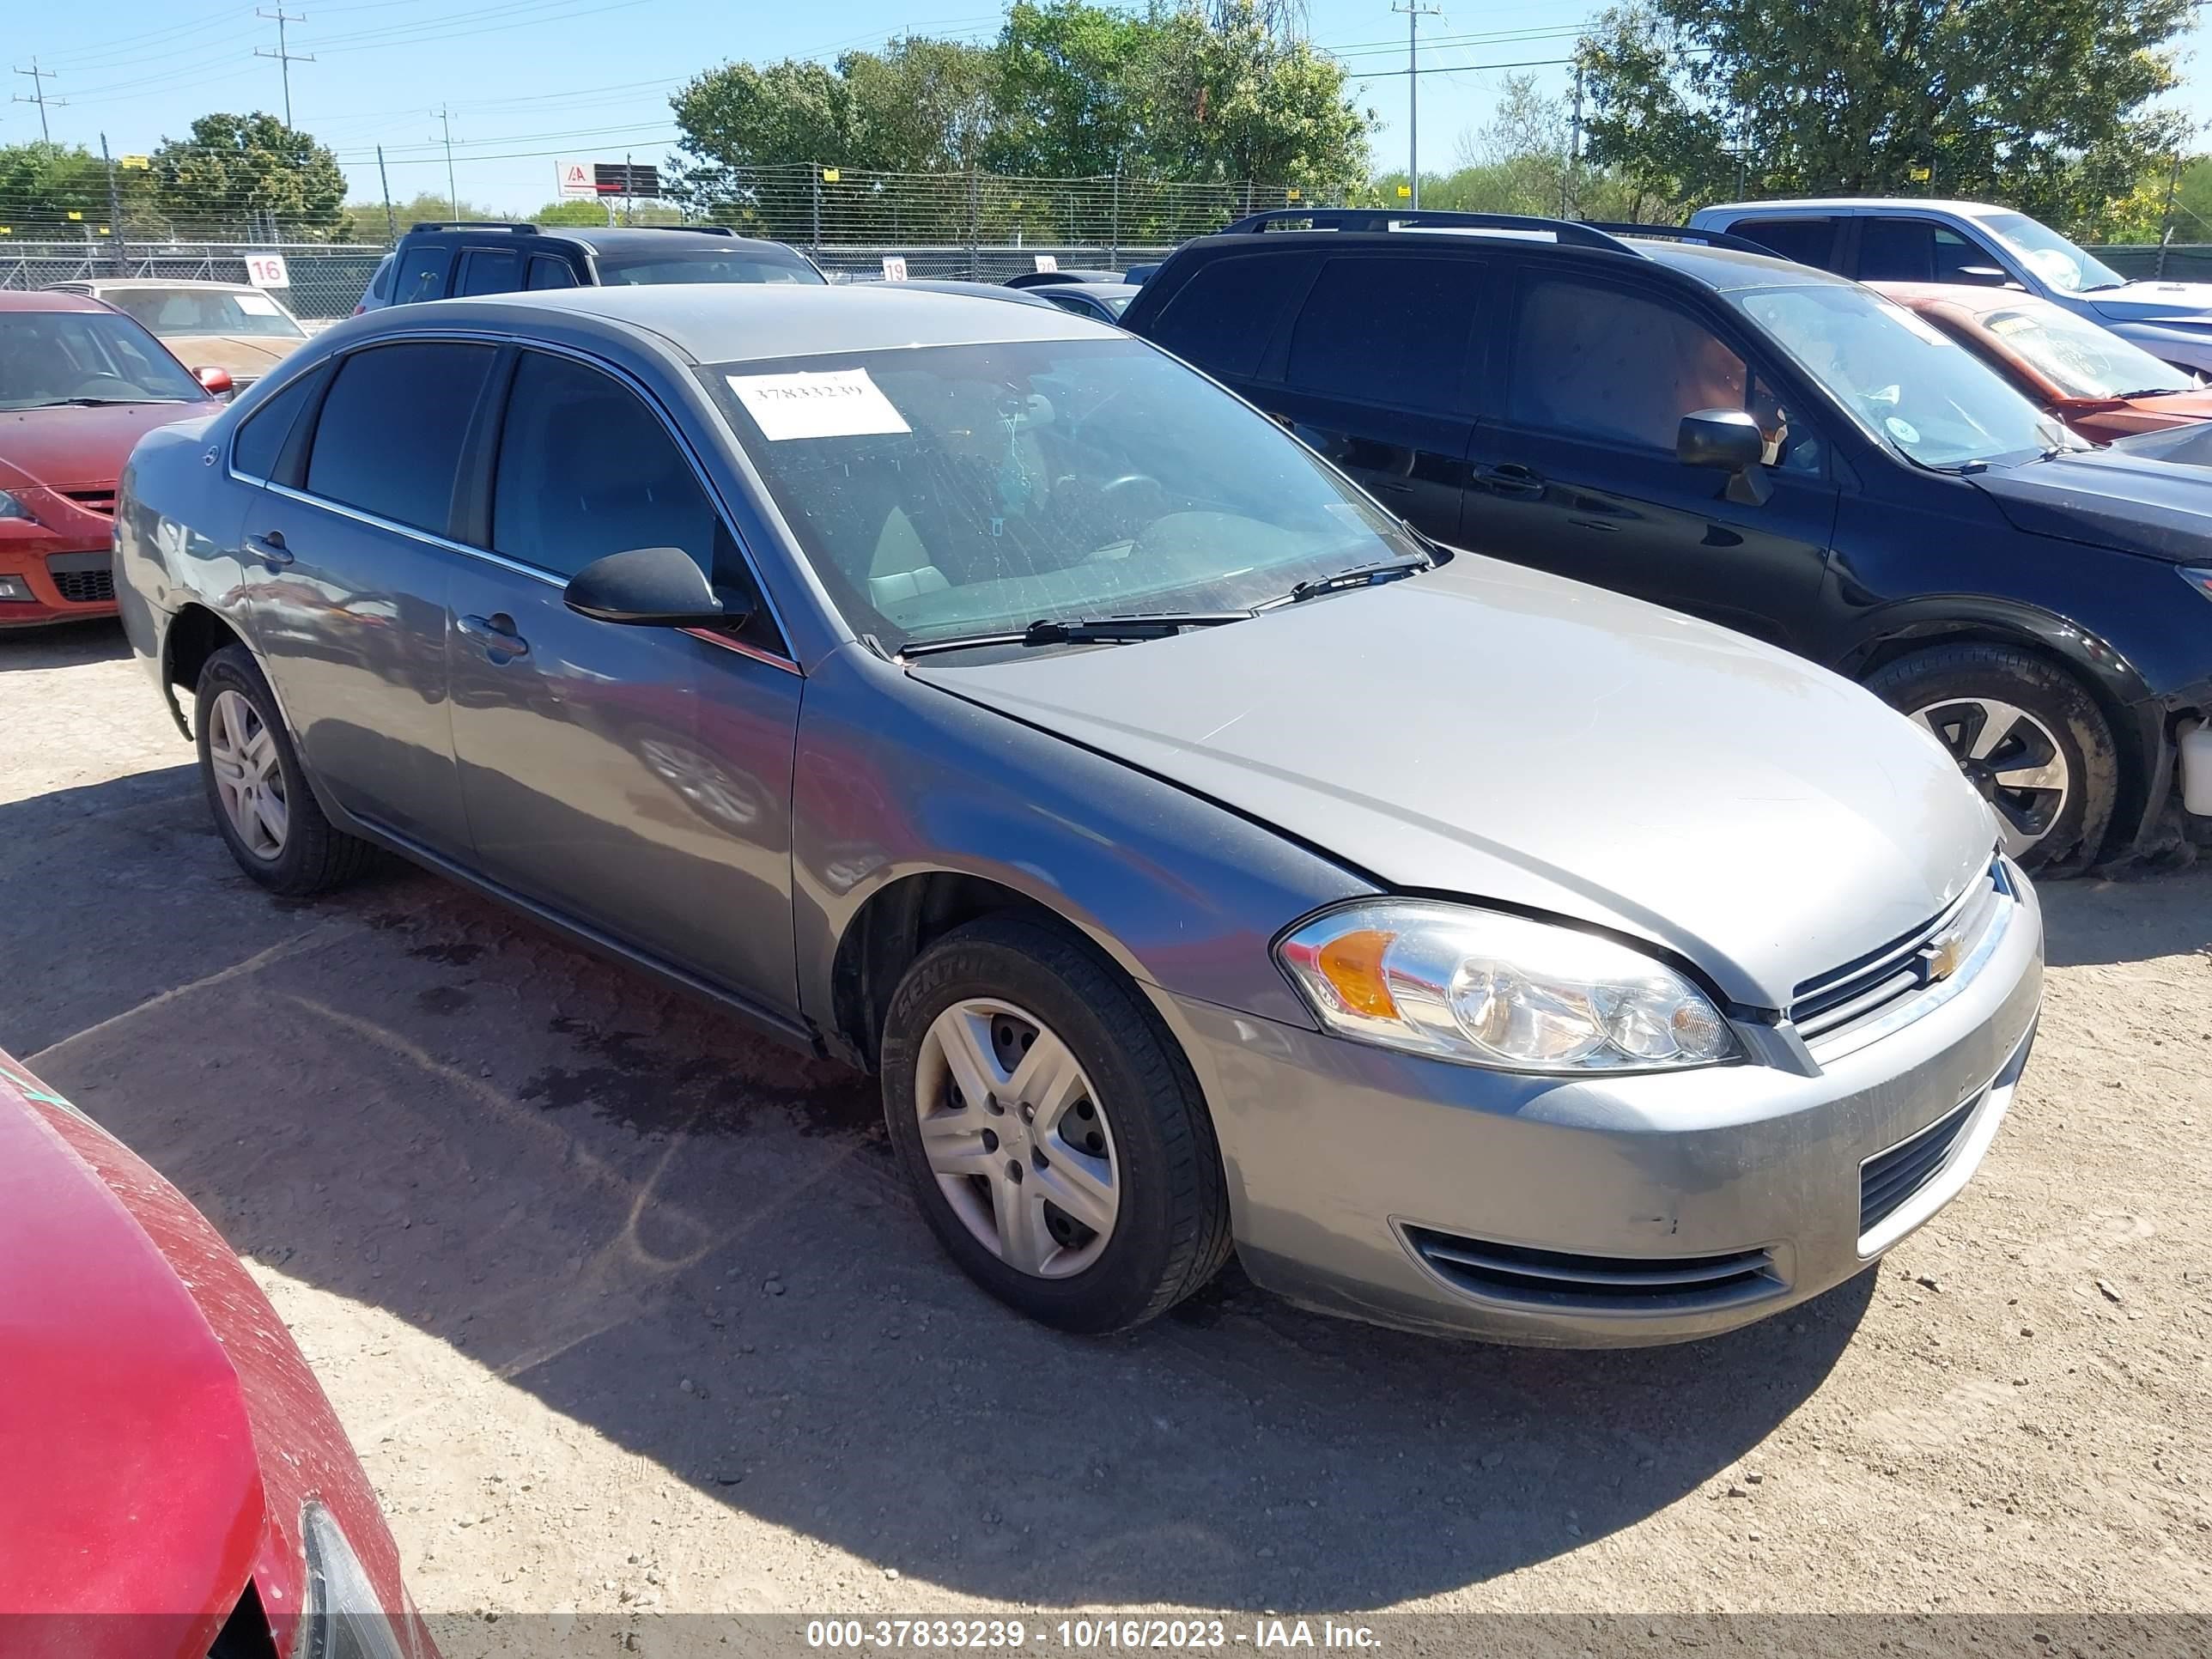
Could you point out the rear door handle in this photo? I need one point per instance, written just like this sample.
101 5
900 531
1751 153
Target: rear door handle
496 634
270 548
1509 478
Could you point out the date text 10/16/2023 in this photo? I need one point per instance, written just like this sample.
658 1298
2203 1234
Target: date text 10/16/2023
1086 1635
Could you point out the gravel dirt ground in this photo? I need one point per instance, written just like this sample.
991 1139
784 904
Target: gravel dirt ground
626 1310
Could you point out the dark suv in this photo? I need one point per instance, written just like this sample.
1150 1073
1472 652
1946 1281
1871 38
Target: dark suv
435 261
1686 419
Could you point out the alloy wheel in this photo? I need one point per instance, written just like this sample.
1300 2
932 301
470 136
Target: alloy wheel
1017 1138
248 779
2011 756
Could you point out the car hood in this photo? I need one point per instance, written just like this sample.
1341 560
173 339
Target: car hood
132 1484
67 447
246 356
2131 496
1494 733
2142 301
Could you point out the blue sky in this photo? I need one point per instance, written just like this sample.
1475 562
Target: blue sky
528 82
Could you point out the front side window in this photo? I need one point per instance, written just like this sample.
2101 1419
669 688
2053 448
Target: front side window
2050 256
585 470
1597 362
952 490
1223 318
389 438
173 313
1389 330
2078 357
51 358
1911 388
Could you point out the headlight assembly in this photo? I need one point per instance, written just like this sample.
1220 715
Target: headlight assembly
342 1619
11 508
1484 989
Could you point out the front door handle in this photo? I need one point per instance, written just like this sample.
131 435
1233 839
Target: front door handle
1509 478
495 633
270 548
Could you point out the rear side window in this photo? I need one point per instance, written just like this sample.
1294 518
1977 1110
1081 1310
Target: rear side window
422 274
490 271
1806 241
546 272
261 435
1223 318
585 469
389 441
1389 331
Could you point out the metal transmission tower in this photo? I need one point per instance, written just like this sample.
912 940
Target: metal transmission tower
284 59
37 95
1415 12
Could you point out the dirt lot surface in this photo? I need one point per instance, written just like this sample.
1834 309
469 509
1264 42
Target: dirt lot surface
626 1310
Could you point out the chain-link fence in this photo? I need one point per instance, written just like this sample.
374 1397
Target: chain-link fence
326 278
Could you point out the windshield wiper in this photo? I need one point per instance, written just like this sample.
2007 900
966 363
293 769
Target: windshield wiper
1082 631
1360 575
96 403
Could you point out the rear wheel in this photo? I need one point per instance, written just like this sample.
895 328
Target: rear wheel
2026 734
1053 1133
262 807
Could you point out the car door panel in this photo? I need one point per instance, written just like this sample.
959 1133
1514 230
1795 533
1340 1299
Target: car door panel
636 779
1576 480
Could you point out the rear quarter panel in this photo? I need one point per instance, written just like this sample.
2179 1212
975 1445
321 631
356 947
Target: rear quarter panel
178 514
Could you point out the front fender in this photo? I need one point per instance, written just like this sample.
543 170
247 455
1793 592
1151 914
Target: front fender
894 778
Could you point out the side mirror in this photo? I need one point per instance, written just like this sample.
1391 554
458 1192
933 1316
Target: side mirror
650 587
215 382
1728 440
1985 277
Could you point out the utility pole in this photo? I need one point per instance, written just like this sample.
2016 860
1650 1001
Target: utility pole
391 219
1415 12
115 211
453 196
2165 220
284 59
1568 190
37 95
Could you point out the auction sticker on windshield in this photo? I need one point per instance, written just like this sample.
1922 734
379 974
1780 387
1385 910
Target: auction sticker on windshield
844 403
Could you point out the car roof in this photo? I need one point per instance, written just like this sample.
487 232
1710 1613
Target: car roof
46 299
1024 296
1829 203
733 322
1721 268
116 284
617 239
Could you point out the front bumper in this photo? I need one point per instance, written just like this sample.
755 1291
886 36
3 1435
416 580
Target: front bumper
59 568
1602 1213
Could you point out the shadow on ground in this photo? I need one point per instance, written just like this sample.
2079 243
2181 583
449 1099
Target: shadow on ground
61 645
598 1189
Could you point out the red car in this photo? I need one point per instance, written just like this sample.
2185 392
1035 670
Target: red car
80 384
176 1486
2102 386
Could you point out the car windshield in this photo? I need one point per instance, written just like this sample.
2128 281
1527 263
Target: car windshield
704 267
2048 255
63 357
2077 356
1912 386
172 312
947 491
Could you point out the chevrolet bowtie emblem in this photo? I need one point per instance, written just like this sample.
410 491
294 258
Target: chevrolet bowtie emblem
1940 957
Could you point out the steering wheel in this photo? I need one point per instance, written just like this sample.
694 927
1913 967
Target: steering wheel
95 385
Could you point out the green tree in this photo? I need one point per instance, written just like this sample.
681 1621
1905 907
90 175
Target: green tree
1076 88
1242 99
250 176
2040 104
41 185
367 221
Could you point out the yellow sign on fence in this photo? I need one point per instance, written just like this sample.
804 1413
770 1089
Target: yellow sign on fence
829 175
1404 190
137 163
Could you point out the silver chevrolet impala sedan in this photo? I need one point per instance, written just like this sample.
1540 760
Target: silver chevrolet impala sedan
1204 861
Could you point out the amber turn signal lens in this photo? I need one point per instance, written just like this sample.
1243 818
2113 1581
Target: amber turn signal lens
1352 965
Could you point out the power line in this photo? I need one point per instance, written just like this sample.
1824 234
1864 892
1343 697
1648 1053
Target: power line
37 95
284 59
453 195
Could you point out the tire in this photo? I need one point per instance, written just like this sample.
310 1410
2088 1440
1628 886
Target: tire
1169 1235
310 856
2026 734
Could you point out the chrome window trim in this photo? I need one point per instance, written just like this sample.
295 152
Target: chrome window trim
496 338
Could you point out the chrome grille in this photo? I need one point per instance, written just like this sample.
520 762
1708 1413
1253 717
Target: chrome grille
1556 1278
1849 998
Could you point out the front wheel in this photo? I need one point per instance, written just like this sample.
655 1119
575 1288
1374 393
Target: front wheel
1053 1133
2026 734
